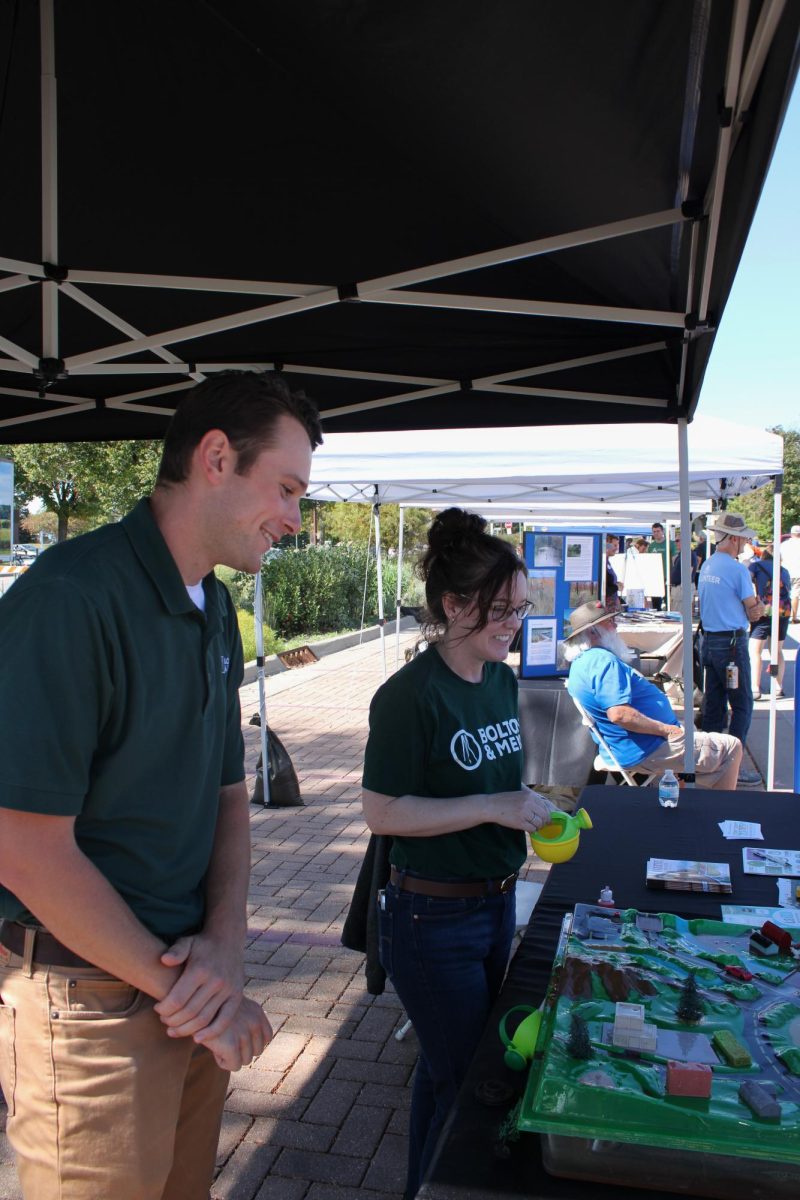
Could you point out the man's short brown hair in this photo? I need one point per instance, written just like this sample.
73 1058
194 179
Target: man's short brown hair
246 406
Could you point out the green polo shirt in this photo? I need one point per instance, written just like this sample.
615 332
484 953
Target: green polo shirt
119 707
431 733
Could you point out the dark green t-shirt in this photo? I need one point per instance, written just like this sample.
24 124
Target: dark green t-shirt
119 706
433 734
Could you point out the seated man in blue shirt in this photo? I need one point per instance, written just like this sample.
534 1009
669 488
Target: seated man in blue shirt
634 717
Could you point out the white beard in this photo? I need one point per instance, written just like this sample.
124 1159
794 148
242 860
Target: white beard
609 639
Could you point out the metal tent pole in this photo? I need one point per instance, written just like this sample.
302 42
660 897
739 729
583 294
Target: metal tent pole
49 120
258 609
686 602
773 632
399 589
376 509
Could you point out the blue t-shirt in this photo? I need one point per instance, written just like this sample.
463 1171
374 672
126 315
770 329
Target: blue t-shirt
600 680
723 584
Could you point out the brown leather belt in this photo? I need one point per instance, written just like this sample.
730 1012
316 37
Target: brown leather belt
462 889
47 950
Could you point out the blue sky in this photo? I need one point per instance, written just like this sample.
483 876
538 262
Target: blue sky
753 375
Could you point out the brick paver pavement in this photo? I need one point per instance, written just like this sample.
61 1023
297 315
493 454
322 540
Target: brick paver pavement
322 1114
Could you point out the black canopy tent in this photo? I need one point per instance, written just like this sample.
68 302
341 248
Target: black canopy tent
429 215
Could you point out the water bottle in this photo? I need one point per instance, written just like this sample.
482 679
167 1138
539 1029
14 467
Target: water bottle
668 790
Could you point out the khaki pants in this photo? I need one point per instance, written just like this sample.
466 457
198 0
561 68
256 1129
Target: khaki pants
102 1105
714 757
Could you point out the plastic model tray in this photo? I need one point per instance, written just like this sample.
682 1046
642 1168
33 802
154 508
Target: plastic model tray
605 1084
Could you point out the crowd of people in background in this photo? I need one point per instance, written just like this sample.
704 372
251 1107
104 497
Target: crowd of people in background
755 555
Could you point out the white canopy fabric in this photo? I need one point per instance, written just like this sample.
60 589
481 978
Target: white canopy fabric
574 513
605 464
599 466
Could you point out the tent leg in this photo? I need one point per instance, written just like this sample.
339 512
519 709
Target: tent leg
49 121
376 508
258 610
773 633
686 601
399 592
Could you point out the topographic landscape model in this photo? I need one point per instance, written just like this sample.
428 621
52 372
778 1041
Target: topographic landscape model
693 1043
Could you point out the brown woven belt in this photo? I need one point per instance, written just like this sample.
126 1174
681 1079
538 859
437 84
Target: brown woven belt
47 950
456 890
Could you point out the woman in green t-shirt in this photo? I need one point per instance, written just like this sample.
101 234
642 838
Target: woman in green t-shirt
443 777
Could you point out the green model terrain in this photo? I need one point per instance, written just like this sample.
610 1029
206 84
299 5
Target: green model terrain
746 1031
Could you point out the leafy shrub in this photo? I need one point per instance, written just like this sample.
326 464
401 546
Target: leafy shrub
247 630
321 589
238 584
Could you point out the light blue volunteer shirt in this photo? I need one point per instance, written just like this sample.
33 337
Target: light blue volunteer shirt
722 586
600 680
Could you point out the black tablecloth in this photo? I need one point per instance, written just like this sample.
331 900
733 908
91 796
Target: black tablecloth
629 828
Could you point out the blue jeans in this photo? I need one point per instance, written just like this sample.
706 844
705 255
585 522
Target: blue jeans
446 959
719 649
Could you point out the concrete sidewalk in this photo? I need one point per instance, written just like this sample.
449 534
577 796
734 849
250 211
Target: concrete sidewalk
323 1112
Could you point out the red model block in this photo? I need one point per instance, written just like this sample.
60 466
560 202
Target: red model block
779 936
689 1079
739 973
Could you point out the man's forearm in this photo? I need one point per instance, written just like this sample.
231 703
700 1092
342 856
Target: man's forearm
76 903
633 721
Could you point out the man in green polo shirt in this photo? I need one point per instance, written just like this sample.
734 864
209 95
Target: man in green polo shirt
660 545
124 833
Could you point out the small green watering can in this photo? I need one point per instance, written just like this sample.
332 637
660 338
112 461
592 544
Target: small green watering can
558 840
520 1047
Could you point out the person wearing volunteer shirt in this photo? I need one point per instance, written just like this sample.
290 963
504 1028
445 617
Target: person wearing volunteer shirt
125 839
443 778
634 716
728 606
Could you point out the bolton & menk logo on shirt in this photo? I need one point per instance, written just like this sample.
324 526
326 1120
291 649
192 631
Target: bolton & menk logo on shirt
493 741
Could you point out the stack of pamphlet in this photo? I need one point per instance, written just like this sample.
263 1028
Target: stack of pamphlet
687 875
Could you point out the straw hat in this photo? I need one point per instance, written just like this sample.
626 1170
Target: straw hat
586 615
729 524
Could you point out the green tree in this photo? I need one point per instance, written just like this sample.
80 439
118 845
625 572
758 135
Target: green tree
350 522
757 506
690 1006
84 482
61 475
579 1044
127 472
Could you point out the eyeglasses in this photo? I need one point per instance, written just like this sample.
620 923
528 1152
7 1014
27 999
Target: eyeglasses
501 612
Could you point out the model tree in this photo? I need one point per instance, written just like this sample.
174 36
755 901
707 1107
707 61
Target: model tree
579 1045
690 1006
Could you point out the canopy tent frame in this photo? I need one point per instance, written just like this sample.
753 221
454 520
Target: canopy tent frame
746 63
340 457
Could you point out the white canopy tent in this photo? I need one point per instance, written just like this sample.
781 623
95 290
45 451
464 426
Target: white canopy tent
563 470
555 465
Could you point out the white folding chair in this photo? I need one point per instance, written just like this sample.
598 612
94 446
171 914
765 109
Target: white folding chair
613 767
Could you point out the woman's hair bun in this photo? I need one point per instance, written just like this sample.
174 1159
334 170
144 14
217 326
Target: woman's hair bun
452 527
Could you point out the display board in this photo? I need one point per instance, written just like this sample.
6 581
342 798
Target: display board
6 508
563 572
